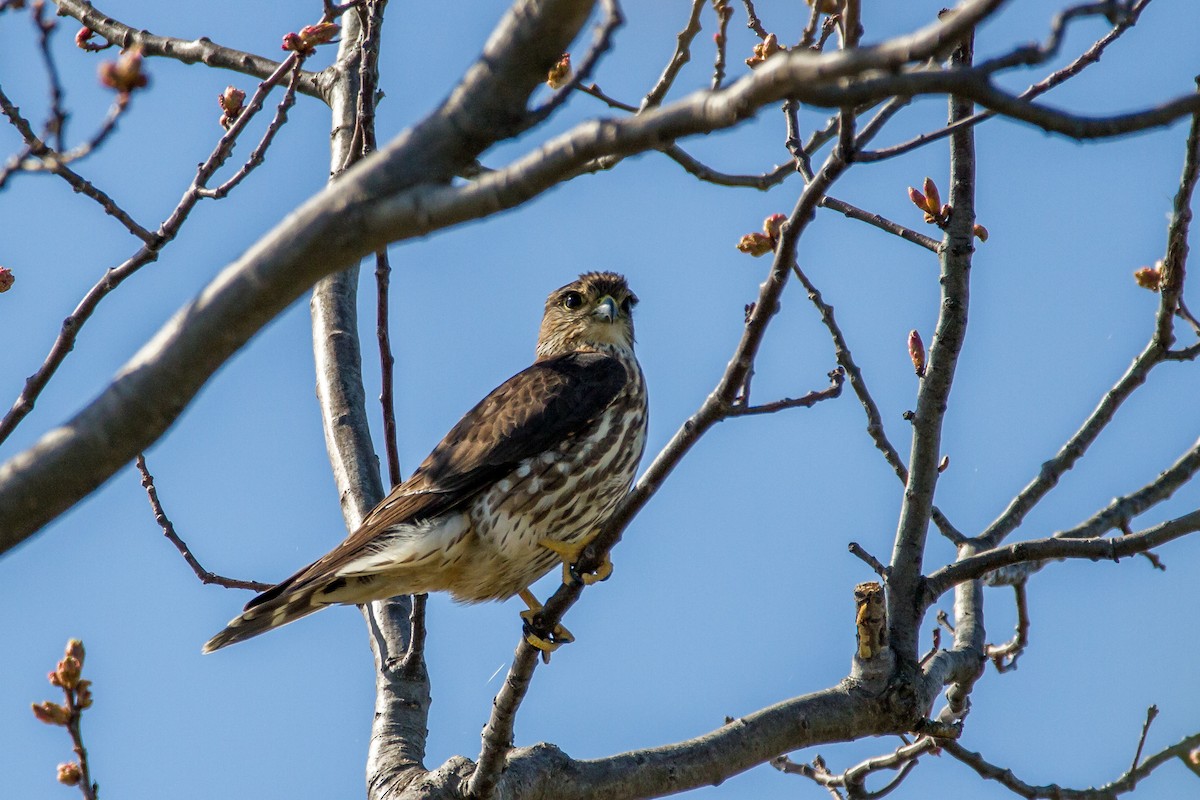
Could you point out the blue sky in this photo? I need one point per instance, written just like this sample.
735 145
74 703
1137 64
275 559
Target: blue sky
732 589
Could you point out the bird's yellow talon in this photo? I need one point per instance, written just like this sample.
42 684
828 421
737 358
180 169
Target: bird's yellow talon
569 553
548 644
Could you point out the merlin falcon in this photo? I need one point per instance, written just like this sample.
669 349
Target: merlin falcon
523 481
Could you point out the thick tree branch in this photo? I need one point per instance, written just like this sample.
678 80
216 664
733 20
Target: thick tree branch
398 730
904 585
836 714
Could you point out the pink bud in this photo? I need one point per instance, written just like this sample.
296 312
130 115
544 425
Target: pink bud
916 351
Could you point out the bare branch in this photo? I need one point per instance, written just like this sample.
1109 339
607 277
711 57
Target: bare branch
611 102
836 377
955 259
883 223
966 656
1125 783
809 36
258 155
707 174
720 38
871 561
752 20
682 55
1151 713
168 530
197 51
1111 549
1118 513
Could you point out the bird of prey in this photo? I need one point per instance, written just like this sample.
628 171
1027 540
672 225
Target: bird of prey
522 482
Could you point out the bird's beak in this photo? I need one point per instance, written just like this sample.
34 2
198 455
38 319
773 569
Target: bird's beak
606 309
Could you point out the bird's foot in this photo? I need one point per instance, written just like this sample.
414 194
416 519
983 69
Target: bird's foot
545 641
569 553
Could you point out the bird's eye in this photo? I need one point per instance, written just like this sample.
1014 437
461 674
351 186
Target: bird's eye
628 303
572 300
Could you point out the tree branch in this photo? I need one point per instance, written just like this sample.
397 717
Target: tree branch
168 530
1125 783
196 51
1112 549
402 696
904 584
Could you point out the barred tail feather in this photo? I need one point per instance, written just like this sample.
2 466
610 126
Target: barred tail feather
265 613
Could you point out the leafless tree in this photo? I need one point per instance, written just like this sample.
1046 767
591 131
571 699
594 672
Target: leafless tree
429 177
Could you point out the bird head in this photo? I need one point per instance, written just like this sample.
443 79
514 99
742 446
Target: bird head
591 313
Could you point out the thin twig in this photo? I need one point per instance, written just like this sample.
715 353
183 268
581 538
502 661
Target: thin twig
387 361
57 123
721 39
809 36
258 155
871 561
836 377
612 102
1151 713
682 54
1110 549
707 174
752 20
1187 316
168 530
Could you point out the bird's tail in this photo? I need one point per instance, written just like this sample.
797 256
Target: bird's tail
274 607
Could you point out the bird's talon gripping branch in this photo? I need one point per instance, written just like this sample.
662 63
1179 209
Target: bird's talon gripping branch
549 642
569 553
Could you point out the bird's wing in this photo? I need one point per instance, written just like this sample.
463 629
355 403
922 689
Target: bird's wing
530 413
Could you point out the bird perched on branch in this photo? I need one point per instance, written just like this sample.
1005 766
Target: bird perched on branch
522 482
